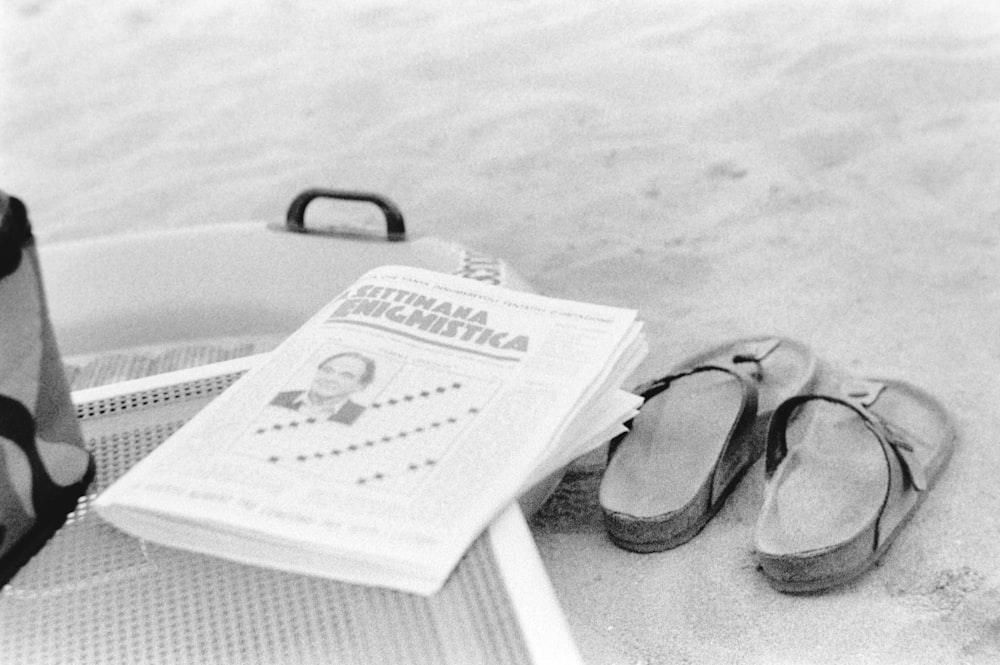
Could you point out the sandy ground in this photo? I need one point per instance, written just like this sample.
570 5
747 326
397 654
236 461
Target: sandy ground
825 171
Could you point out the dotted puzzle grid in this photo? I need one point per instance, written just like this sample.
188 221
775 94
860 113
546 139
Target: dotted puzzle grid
402 434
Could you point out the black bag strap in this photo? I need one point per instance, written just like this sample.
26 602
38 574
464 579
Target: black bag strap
15 233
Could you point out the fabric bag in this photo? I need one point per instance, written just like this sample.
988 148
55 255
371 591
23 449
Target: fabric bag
44 468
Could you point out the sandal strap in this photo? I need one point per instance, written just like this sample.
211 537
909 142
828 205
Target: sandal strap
756 351
742 426
895 442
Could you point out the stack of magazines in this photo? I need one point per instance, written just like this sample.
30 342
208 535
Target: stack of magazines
376 443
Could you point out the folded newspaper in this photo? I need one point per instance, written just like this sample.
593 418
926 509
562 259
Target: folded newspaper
379 440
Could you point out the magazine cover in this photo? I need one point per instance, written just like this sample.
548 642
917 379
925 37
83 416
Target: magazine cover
378 441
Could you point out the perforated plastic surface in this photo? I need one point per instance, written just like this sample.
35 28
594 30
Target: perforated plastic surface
97 596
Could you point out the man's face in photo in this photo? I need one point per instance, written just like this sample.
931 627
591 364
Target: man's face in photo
338 378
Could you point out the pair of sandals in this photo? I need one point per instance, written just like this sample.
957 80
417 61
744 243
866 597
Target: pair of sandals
848 460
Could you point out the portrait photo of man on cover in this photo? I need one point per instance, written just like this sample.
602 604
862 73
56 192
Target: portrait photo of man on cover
336 380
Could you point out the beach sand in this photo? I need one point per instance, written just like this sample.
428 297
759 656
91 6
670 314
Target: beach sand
823 171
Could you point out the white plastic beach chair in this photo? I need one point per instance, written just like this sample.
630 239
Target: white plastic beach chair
198 304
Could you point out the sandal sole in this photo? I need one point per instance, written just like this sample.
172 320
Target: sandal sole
771 566
617 523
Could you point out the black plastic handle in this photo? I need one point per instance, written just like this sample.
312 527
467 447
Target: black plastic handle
295 219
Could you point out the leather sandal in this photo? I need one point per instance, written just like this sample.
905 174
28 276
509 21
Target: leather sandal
846 471
699 429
